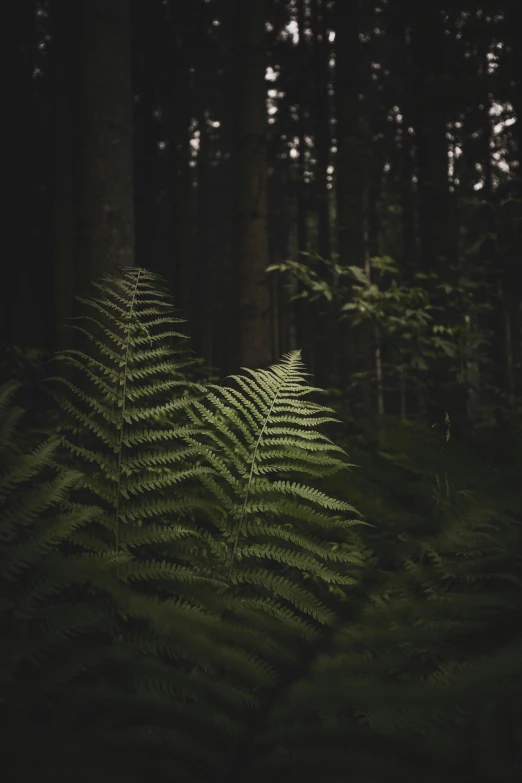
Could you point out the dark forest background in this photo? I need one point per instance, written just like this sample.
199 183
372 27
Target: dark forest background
374 145
338 176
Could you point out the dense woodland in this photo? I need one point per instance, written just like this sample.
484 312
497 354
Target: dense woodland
215 208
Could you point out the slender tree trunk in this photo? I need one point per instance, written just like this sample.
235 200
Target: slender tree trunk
372 251
515 39
206 299
400 34
145 63
408 194
306 322
471 322
285 339
251 252
302 194
23 297
409 250
427 51
513 23
64 67
177 212
438 250
350 242
322 53
326 316
427 47
106 170
349 178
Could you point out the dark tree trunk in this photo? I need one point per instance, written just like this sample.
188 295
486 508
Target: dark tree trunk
146 28
302 190
24 301
431 80
513 23
285 339
206 269
430 86
174 177
64 73
325 317
349 175
350 243
251 252
106 164
372 251
515 39
322 53
407 187
305 313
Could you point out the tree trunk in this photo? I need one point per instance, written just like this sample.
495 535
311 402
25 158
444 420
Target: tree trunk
513 23
515 39
302 190
438 249
145 66
322 53
306 322
350 242
372 251
64 64
349 176
106 165
285 339
325 316
205 264
24 296
176 197
251 252
430 111
408 194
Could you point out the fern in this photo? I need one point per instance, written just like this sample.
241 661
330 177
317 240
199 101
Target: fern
128 370
259 431
431 668
54 637
189 586
138 465
216 588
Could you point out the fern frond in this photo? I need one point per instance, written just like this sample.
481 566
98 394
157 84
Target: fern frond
259 430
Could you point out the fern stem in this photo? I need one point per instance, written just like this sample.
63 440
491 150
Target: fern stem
124 393
249 484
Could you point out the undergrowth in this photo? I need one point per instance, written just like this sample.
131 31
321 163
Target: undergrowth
187 587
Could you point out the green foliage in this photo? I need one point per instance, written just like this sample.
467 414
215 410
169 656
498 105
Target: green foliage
261 428
176 595
54 637
142 436
444 592
132 378
414 330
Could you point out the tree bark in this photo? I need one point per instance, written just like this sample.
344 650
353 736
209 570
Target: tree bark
106 164
146 27
322 53
325 316
176 197
251 250
430 84
64 73
24 296
349 175
350 241
438 247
